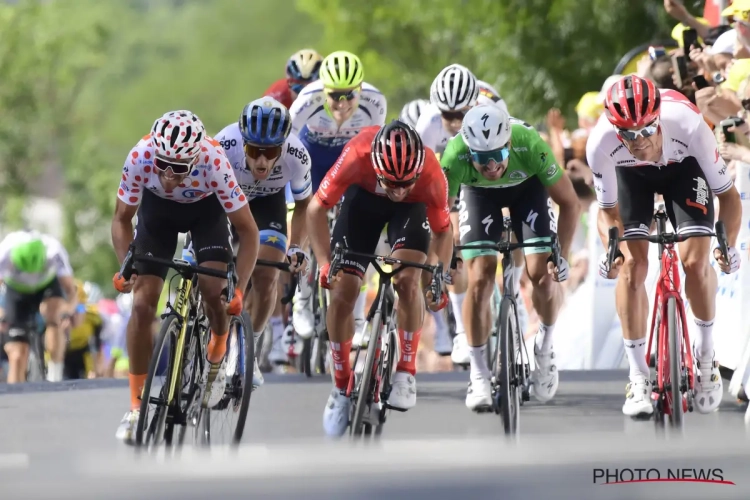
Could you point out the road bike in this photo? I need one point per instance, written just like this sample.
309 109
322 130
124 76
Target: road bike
510 367
673 389
371 385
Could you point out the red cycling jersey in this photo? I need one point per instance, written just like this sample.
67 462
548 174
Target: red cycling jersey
354 166
281 92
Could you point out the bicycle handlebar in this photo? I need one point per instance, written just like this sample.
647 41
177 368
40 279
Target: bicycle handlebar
339 252
666 239
181 266
282 266
506 246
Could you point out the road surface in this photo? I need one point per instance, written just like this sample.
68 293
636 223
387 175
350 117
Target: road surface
57 441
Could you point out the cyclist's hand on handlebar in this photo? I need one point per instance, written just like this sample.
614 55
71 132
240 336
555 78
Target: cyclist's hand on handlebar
122 285
604 270
234 308
734 260
434 305
456 267
324 276
298 260
561 273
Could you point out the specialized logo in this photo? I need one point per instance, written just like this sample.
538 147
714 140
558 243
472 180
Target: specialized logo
484 119
701 196
487 221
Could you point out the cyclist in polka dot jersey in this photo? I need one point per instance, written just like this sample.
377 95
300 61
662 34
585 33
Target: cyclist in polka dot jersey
179 180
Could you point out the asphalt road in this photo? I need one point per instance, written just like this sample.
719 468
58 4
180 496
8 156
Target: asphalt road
60 444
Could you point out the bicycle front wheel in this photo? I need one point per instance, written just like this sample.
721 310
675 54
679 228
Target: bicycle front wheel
152 428
675 337
364 388
507 397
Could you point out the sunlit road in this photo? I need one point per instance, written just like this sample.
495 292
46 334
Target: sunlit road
60 444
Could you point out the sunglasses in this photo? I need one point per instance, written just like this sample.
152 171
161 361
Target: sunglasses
296 86
178 168
343 95
397 184
496 155
647 131
255 152
453 115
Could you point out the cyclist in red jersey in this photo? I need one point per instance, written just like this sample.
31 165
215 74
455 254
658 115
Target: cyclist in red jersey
301 69
387 177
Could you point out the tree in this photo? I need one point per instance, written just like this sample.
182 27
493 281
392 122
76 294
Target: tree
539 53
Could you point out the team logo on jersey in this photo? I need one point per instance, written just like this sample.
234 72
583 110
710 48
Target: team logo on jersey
552 170
192 194
236 192
543 157
517 174
297 153
229 143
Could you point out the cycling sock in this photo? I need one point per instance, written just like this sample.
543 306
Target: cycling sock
277 327
136 386
478 360
636 351
256 336
457 300
704 341
544 337
341 365
55 371
217 347
517 274
409 342
359 306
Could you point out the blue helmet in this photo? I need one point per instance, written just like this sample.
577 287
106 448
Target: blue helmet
265 122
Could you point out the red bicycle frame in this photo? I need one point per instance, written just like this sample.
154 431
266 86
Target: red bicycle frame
668 286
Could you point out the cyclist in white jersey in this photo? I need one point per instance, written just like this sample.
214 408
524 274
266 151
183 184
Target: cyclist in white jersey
665 137
454 91
36 271
327 114
179 180
265 158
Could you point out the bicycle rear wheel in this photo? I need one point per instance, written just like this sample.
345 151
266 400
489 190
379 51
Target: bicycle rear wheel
675 336
508 398
155 430
364 387
225 422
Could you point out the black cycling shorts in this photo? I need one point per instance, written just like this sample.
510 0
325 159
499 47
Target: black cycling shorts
21 309
160 221
687 197
270 214
362 219
480 216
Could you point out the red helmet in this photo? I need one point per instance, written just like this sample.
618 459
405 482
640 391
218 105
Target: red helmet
632 102
397 152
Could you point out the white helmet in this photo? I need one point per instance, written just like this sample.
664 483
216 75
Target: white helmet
178 135
455 87
411 111
486 128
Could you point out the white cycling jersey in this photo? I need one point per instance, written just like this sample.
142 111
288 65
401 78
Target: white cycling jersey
430 125
58 263
317 129
685 134
212 174
293 166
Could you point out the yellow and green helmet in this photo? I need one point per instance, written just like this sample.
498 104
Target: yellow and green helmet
342 70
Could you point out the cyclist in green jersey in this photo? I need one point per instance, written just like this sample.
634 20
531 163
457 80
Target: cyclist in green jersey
502 162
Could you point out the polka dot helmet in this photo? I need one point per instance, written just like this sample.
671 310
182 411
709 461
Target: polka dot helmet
178 135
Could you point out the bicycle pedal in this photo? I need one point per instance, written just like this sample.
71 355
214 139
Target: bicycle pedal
394 408
482 409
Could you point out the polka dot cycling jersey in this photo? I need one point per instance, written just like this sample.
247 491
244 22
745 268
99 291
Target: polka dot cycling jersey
212 174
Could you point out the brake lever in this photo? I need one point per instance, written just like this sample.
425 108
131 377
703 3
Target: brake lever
126 270
614 235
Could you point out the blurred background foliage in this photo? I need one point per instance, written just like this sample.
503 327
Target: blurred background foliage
82 80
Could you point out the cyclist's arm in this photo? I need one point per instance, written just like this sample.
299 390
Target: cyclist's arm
605 185
301 186
375 104
122 228
438 213
718 179
128 199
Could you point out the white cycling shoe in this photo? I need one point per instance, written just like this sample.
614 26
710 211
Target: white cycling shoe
336 414
460 354
126 430
403 391
545 376
479 394
303 319
638 402
708 384
215 382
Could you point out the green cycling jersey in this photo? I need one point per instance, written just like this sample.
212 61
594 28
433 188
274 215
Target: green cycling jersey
529 156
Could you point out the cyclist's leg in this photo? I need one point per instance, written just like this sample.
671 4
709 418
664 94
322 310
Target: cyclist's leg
534 220
212 242
270 216
481 222
457 294
409 232
635 192
20 310
357 228
689 203
155 234
54 337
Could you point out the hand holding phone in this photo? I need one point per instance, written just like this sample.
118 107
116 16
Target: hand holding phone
725 126
690 39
